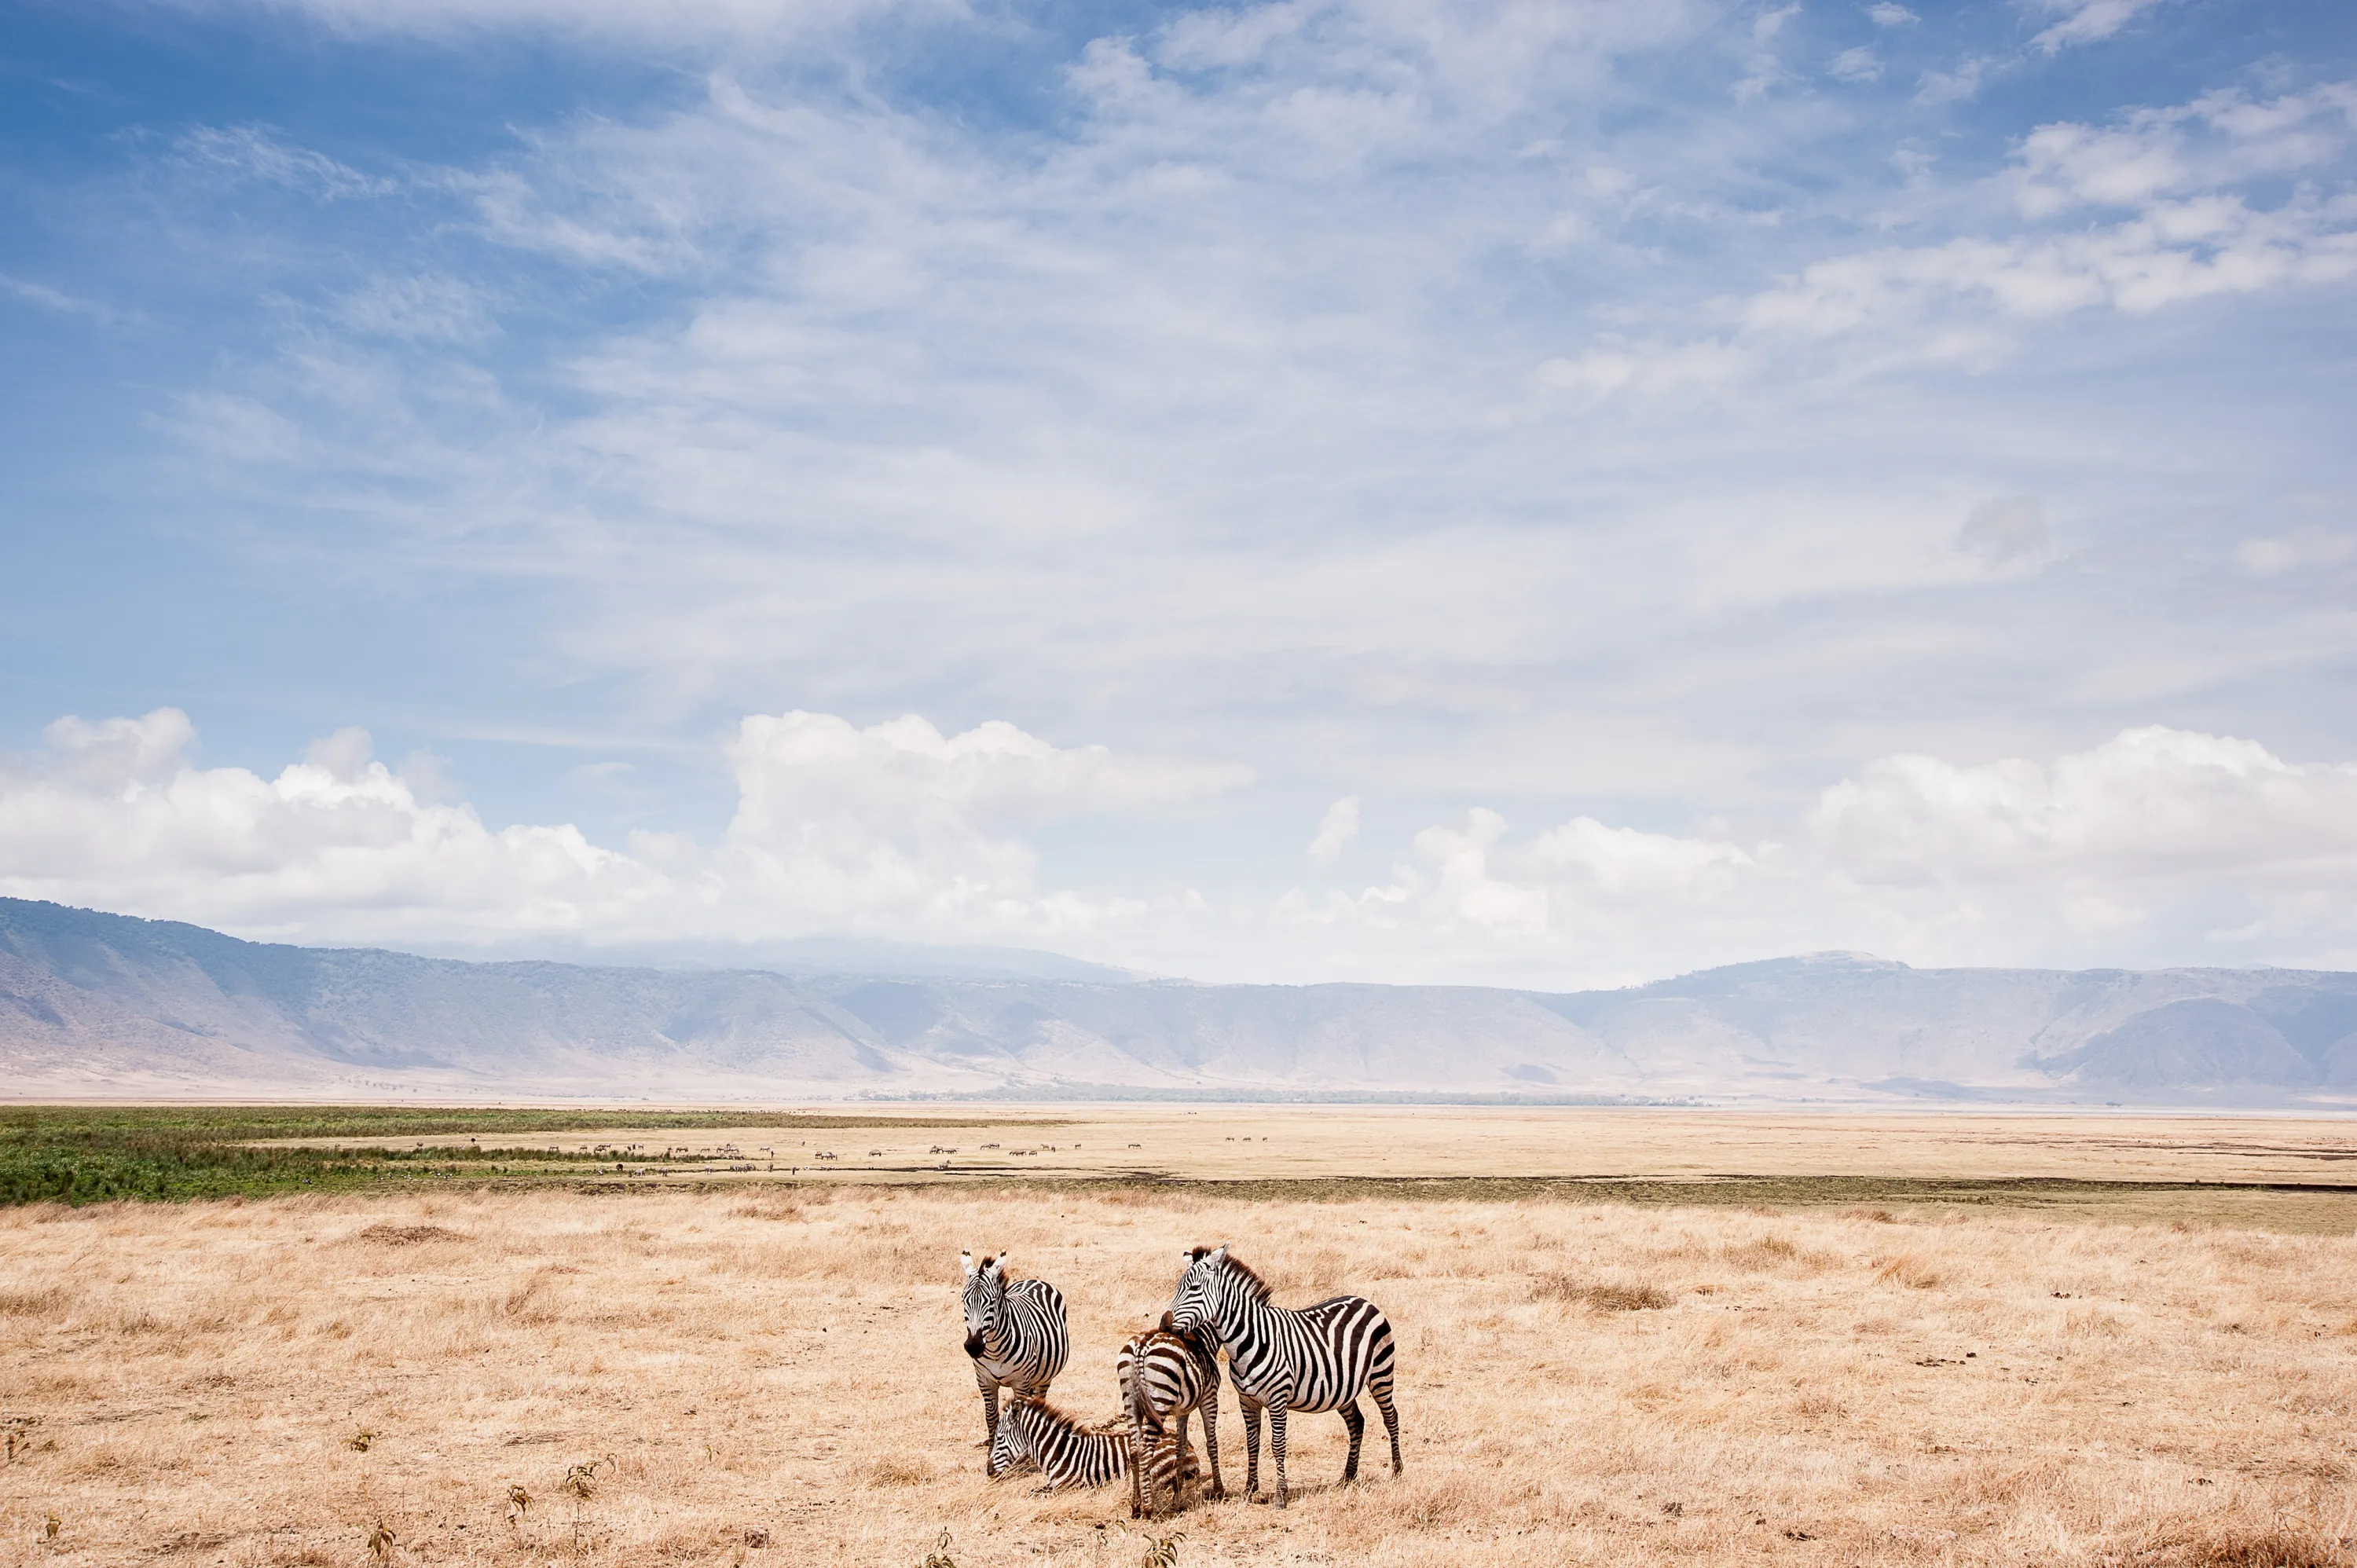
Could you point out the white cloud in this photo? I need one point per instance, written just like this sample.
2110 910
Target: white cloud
661 24
54 299
2151 808
2085 21
2191 232
1860 64
2159 846
2293 551
428 308
2006 529
1337 828
256 153
1886 14
896 827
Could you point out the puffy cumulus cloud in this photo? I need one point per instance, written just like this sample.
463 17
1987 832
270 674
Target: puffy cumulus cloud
899 827
1336 829
2160 846
115 814
2149 809
896 828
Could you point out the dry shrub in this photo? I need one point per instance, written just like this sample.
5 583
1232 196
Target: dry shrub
769 1207
2271 1546
1870 1215
32 1302
1908 1269
1759 1252
391 1235
899 1470
1602 1296
530 1303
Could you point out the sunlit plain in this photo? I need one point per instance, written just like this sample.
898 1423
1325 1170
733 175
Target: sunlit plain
772 1374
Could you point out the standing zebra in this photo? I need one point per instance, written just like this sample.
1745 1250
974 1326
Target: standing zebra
1016 1333
1305 1358
1068 1454
1166 1375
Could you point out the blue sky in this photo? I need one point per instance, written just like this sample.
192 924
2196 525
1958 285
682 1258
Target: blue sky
1549 493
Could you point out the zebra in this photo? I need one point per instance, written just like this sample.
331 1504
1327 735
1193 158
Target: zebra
1305 1358
1015 1332
1068 1454
1166 1375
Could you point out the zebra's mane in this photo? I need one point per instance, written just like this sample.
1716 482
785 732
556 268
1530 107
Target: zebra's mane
1257 1286
1064 1420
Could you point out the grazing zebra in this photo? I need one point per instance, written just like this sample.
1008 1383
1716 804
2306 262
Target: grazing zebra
1165 1377
1305 1358
1015 1332
1068 1454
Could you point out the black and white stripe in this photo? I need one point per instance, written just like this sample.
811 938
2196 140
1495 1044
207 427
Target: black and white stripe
1307 1358
1068 1454
1015 1332
1165 1377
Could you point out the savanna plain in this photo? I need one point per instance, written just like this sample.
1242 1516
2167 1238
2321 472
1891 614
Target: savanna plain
1830 1366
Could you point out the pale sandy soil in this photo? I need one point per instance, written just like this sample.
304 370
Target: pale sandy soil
270 1382
1227 1143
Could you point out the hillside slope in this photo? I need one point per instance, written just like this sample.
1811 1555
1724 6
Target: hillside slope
104 1005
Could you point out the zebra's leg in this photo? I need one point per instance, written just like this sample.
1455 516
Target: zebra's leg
1252 1446
1356 1421
1277 1446
989 1386
1212 1444
1181 1468
1381 1387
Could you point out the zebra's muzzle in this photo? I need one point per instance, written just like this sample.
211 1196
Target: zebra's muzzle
973 1345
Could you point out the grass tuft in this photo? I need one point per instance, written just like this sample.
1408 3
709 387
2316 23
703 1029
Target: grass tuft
1602 1296
406 1235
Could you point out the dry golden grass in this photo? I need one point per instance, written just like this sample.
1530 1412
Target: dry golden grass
773 1376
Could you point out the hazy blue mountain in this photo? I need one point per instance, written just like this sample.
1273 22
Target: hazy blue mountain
103 1004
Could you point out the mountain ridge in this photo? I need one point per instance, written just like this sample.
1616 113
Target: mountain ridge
105 1005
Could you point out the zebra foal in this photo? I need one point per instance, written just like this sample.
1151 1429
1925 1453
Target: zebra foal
1165 1377
1068 1454
1286 1358
1015 1332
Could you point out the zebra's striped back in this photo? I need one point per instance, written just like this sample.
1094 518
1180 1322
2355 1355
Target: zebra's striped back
1163 1372
1068 1454
1164 1376
1307 1358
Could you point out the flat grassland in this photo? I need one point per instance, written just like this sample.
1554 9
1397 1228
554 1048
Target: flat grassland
769 1373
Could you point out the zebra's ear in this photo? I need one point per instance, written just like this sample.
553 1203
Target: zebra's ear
998 1264
1218 1255
966 1258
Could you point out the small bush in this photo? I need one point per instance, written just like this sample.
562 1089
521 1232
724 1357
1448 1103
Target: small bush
1908 1269
406 1235
2271 1547
31 1302
898 1470
1602 1295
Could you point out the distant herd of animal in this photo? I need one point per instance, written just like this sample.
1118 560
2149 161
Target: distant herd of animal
1282 1359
